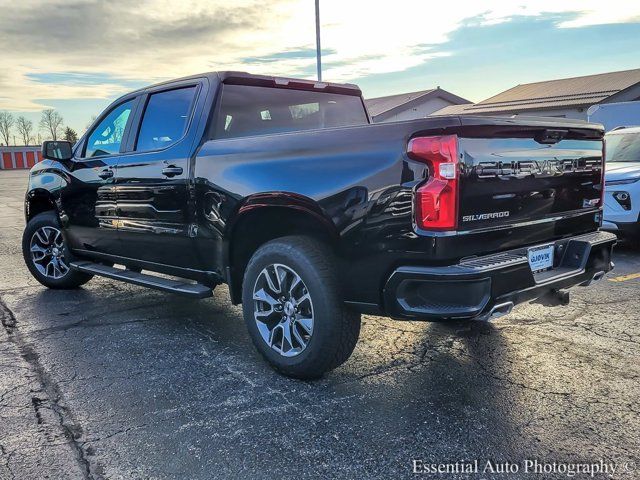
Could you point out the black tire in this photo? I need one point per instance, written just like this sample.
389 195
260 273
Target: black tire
634 242
68 278
335 328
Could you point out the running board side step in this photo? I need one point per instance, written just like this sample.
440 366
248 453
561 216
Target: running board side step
189 289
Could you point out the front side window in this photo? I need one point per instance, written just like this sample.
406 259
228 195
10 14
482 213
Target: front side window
165 118
248 110
106 138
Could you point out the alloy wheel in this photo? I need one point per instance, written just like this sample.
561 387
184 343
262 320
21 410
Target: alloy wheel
283 310
47 252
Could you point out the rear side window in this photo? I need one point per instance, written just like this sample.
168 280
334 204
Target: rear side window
248 110
165 118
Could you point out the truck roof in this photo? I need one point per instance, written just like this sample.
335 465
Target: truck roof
245 78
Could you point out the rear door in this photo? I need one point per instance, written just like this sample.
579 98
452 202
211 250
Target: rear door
153 179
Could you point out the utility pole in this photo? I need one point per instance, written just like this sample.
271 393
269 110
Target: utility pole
318 52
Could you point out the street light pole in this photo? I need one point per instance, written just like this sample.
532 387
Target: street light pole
318 52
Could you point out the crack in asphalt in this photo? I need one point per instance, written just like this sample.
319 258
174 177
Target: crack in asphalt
6 318
7 461
16 289
51 397
113 434
7 392
590 329
84 322
512 382
418 358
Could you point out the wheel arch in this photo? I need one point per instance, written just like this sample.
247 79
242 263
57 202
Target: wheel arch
38 201
265 217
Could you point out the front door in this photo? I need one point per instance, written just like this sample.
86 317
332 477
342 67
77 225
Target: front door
88 203
152 181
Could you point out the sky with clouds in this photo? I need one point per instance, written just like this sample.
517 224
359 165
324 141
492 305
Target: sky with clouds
78 55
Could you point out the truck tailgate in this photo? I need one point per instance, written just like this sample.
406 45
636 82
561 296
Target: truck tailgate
514 181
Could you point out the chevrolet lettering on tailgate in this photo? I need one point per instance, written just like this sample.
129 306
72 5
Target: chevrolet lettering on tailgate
536 168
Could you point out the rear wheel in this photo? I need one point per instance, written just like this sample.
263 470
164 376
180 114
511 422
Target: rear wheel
46 255
293 308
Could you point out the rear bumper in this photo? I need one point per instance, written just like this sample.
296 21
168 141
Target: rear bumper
476 287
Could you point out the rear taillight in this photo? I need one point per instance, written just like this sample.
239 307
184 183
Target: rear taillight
436 200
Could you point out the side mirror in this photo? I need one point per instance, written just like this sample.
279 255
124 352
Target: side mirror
57 150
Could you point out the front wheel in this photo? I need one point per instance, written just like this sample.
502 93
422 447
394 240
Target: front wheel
293 308
46 254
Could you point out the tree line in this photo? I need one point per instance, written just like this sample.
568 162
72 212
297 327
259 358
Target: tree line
50 127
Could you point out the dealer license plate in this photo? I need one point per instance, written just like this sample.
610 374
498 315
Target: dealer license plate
541 258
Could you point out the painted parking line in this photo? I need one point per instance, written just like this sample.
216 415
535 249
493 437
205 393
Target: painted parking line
624 278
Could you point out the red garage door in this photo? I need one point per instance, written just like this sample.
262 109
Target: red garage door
31 159
19 159
6 160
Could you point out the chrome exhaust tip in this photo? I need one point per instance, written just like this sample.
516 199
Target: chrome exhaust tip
596 278
499 310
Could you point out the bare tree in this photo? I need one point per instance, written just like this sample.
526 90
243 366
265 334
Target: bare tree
25 127
51 122
6 122
93 119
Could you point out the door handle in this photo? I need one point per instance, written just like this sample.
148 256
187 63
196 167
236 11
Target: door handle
107 173
171 171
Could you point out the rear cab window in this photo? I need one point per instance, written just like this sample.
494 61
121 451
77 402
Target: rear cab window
251 110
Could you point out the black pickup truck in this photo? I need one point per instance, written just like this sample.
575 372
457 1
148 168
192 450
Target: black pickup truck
282 189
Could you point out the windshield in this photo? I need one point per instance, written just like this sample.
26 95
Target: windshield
622 147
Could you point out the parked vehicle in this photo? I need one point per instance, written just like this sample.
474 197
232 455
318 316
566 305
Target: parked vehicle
622 198
615 115
282 190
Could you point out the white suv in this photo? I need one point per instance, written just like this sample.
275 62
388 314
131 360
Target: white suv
622 180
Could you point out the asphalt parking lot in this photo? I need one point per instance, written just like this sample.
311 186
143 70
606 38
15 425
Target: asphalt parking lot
116 381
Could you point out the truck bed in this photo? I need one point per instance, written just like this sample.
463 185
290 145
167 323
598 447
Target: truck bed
362 180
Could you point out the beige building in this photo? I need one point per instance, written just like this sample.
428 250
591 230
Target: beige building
407 106
564 98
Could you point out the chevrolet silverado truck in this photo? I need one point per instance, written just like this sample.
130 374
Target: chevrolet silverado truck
284 191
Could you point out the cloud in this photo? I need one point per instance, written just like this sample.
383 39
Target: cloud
20 93
53 49
146 42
